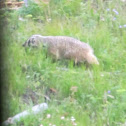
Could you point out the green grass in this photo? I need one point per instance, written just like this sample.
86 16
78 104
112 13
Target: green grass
100 98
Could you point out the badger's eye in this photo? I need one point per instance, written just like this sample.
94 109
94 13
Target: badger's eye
33 40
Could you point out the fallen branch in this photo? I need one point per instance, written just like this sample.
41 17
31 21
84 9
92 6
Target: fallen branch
35 109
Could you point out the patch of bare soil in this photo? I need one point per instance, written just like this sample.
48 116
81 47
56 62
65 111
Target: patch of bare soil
36 96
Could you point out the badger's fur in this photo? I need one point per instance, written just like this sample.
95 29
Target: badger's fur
63 47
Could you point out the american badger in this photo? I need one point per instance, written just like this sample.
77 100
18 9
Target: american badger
63 47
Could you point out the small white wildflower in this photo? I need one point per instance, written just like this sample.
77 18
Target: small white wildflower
72 119
102 75
28 76
53 125
49 20
50 124
21 19
48 116
62 118
41 125
82 4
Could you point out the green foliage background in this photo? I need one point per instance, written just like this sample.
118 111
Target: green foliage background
100 99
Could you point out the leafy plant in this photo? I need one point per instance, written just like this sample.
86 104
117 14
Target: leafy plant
33 9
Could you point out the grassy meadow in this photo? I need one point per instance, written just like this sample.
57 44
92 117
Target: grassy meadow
77 96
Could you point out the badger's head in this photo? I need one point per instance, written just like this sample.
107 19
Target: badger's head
31 42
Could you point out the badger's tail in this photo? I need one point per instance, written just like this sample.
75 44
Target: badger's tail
92 59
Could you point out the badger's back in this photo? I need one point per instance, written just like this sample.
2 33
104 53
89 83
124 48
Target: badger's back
65 42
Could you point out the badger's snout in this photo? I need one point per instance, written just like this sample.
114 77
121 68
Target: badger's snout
27 43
